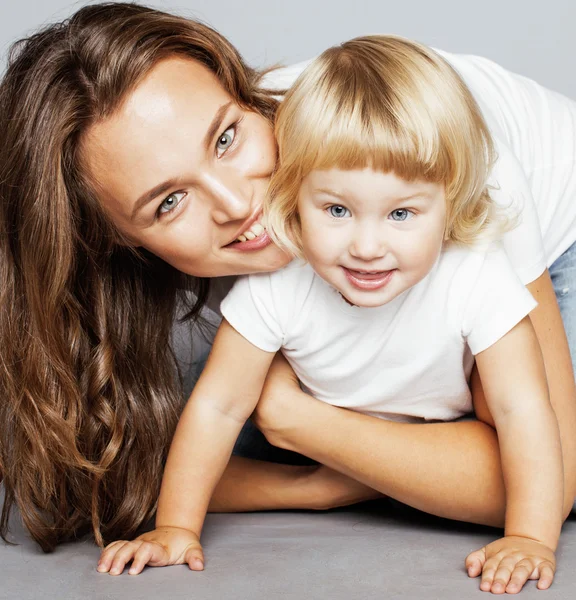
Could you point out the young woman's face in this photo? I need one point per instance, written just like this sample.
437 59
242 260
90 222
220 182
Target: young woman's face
371 235
183 172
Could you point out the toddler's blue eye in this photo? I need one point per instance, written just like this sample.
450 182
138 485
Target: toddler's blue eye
400 214
338 211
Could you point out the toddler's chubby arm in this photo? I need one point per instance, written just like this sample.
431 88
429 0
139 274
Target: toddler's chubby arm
514 380
223 399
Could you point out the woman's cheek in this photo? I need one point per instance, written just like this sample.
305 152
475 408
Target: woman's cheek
256 161
260 151
184 247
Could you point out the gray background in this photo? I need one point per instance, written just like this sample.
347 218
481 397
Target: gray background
532 37
367 554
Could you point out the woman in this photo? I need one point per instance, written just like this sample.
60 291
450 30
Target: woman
128 174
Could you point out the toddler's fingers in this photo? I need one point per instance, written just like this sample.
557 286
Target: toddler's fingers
124 555
149 553
488 572
546 576
502 577
108 554
475 561
520 575
535 573
195 558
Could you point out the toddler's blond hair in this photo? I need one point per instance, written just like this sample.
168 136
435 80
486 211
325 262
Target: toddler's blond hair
393 105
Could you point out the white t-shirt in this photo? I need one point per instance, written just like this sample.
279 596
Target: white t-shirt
407 360
534 131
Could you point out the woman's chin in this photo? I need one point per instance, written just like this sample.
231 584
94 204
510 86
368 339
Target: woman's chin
269 260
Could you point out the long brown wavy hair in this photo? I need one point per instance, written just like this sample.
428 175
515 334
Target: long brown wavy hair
89 393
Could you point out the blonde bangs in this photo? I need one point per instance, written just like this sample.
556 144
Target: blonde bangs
346 119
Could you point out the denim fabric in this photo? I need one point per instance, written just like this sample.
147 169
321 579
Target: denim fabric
563 274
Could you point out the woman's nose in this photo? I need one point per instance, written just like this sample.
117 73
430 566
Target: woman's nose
230 196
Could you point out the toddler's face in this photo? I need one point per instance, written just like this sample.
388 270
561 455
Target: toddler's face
371 235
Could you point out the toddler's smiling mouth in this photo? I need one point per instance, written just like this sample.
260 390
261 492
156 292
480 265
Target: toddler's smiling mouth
368 280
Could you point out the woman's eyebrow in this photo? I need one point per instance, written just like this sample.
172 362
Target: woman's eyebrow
215 125
150 195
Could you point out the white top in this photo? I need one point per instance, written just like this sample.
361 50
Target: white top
407 360
534 132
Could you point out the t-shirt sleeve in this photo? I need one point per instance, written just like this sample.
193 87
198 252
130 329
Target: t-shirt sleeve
251 308
498 301
511 191
284 77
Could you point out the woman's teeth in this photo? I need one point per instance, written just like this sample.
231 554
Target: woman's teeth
255 230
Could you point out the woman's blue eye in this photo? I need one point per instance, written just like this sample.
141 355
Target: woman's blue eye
171 202
225 140
338 211
400 214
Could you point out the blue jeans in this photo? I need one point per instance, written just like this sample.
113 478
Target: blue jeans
563 274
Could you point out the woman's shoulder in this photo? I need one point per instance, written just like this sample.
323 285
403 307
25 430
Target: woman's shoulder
283 77
219 288
461 265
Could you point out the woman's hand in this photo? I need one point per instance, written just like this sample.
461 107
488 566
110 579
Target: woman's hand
509 562
281 397
157 548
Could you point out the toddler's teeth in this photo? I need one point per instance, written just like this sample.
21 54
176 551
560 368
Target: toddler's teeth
257 229
242 238
249 235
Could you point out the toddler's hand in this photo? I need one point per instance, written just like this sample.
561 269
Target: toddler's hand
157 548
509 562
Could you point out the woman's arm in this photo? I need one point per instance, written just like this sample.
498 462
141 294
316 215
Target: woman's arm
448 469
251 485
200 450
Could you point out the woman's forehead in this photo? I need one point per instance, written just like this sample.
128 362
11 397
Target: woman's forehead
156 132
176 92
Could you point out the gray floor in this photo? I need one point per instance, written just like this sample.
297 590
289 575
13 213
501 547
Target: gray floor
367 552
